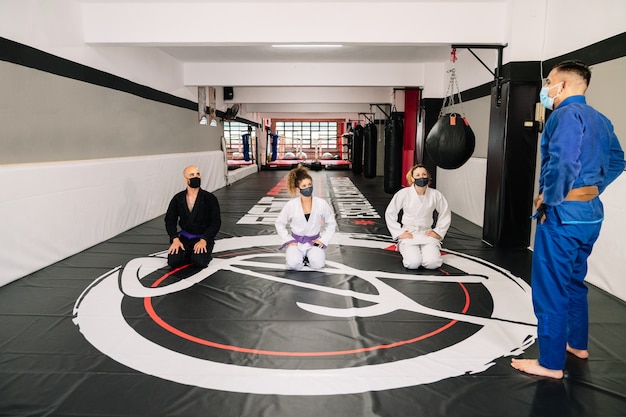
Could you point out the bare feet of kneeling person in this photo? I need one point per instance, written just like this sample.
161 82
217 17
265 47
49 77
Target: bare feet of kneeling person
531 366
579 353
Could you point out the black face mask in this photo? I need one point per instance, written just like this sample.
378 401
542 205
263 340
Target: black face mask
194 182
420 182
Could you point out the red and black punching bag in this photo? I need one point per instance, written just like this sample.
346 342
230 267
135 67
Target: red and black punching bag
451 141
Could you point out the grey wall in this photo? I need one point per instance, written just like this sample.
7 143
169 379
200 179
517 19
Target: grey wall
477 114
46 117
607 91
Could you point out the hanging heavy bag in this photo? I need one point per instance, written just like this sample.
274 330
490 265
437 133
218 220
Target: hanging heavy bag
369 150
451 141
357 149
394 130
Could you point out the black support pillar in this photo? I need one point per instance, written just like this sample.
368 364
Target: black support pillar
511 159
432 108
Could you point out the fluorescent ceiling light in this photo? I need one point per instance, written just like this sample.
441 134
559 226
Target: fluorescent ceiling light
305 45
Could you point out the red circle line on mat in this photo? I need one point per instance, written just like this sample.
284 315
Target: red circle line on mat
158 320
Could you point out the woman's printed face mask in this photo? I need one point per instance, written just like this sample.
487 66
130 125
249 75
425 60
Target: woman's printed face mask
307 192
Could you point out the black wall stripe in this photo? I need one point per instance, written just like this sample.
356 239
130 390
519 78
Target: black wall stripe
603 51
27 56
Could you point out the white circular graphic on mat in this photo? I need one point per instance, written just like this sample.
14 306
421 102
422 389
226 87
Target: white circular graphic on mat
510 329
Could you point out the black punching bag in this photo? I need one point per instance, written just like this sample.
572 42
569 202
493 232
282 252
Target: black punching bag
369 150
357 149
392 180
450 143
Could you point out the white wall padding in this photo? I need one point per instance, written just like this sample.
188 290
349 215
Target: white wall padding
54 210
464 188
239 173
606 262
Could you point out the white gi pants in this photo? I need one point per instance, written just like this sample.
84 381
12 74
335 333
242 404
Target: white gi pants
295 254
420 251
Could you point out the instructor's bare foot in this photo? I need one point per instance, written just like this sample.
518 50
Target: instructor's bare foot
579 353
531 366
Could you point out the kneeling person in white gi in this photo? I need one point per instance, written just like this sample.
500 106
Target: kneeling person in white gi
418 241
306 241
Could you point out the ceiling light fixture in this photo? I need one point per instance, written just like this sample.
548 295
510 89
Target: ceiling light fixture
306 45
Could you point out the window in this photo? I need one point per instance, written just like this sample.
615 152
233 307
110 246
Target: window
307 135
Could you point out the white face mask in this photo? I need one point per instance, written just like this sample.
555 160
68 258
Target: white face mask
547 101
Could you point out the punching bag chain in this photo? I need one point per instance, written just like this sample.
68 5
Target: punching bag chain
453 88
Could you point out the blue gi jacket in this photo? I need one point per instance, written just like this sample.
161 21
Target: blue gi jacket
578 148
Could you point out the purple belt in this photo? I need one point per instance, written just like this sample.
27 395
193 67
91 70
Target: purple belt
300 239
188 235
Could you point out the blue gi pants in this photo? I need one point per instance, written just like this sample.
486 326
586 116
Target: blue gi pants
559 292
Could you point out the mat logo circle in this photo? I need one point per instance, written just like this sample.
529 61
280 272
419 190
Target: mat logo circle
508 330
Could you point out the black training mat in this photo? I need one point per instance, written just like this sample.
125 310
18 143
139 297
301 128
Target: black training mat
113 331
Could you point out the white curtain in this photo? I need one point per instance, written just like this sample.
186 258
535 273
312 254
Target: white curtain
464 188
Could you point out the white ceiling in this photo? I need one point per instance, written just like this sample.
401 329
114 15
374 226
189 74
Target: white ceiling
361 53
384 43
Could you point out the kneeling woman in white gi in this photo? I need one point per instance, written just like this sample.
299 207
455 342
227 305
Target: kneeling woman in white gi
306 241
418 241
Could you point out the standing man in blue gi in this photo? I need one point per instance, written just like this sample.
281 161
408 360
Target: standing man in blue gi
197 212
580 157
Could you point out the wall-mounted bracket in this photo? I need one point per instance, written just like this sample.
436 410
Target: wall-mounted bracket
378 106
498 74
366 115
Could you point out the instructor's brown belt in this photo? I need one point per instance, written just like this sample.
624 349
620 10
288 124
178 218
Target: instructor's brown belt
586 193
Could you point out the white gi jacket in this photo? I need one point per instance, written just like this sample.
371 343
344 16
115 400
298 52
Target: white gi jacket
417 215
293 215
